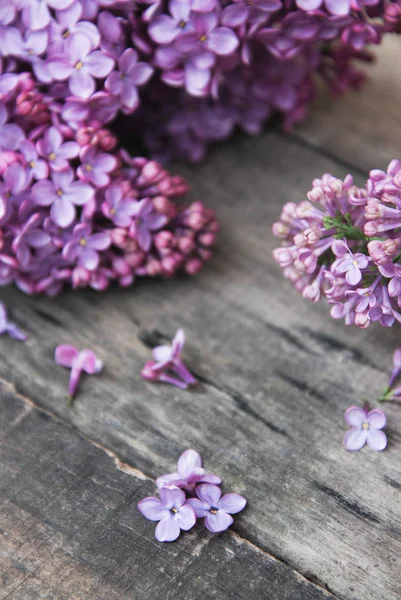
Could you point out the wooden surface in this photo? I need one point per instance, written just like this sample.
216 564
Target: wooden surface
276 377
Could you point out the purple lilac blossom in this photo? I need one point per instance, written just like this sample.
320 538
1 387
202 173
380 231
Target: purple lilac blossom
189 473
214 509
70 357
172 511
167 366
365 428
327 248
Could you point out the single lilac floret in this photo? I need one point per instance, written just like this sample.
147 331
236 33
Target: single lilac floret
216 510
366 428
189 473
70 357
172 511
10 328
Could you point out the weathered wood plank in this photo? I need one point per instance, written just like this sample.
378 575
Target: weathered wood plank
363 127
277 376
70 529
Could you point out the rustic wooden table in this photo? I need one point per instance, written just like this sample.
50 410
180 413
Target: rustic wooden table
276 377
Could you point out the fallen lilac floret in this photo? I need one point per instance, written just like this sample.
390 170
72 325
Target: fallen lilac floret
172 511
366 428
214 509
168 366
189 473
70 357
10 328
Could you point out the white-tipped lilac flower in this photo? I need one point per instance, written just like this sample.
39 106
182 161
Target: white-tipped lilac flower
214 509
57 152
8 327
84 246
70 357
348 263
366 428
131 75
147 219
80 65
95 167
63 193
189 473
172 511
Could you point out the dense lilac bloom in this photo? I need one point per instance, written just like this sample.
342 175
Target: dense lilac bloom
95 167
85 360
84 246
124 82
55 150
189 473
79 65
349 263
30 237
9 327
366 428
216 510
146 221
62 194
172 511
118 208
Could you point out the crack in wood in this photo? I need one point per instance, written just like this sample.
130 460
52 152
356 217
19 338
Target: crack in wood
300 385
349 505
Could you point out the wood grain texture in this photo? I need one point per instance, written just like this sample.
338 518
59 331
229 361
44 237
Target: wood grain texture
276 377
363 127
70 529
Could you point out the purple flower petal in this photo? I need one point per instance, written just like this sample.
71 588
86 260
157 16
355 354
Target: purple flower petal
167 479
222 41
219 521
99 241
65 354
189 460
62 212
353 275
232 503
200 509
152 509
172 497
209 494
376 439
81 83
89 258
376 419
99 64
355 439
168 529
185 517
355 416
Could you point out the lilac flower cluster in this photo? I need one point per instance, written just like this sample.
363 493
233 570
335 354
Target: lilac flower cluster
174 511
74 210
189 71
345 243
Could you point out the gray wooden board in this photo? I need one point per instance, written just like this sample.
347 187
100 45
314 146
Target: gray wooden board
362 127
69 529
276 377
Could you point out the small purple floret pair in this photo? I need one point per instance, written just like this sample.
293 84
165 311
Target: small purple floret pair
175 511
168 366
